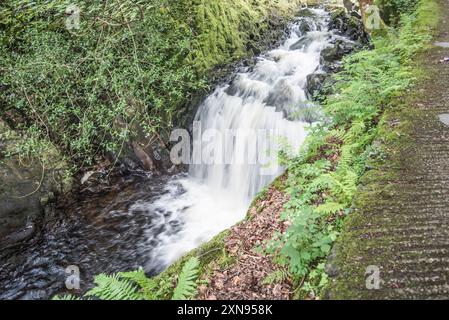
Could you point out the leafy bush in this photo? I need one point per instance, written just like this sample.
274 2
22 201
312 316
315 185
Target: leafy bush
129 69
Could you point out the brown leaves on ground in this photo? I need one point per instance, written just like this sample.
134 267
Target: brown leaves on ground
244 278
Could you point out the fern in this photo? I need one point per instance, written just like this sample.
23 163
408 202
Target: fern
276 276
67 297
114 287
150 288
186 287
329 208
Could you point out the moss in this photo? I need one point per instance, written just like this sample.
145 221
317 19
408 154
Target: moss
208 253
231 29
393 137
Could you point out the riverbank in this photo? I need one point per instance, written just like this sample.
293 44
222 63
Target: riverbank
398 224
76 116
315 199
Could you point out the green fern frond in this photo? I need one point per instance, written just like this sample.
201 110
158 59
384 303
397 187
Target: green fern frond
276 276
150 288
186 287
114 287
329 208
67 297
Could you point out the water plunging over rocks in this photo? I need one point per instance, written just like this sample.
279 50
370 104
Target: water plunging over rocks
150 221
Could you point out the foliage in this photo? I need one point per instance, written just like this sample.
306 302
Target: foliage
129 69
135 285
392 9
323 179
186 287
114 287
277 276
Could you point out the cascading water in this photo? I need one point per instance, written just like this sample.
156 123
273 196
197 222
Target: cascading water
260 108
151 222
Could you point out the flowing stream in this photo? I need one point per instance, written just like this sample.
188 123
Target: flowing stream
152 222
262 109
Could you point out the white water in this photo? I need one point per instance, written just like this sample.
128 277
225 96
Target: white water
216 196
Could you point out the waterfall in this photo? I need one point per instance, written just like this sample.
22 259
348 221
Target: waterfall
247 118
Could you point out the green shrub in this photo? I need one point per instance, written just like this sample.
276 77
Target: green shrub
131 66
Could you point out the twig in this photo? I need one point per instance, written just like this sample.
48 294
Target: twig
38 187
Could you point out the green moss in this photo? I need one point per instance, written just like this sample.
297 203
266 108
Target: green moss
393 137
208 253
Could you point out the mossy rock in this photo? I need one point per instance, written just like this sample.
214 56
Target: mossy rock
28 185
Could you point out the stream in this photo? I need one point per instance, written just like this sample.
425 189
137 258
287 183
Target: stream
150 221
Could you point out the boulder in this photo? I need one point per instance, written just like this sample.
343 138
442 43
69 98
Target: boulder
331 57
28 186
315 83
348 24
302 42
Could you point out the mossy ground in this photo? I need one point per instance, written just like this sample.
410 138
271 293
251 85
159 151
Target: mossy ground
397 218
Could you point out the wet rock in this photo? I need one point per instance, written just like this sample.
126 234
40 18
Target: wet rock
303 27
144 151
281 95
348 25
143 157
308 22
21 235
27 187
302 42
315 83
331 57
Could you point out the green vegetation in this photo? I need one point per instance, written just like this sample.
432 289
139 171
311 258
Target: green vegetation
130 67
392 9
321 185
136 286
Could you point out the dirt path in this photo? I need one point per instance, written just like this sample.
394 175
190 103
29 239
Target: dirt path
401 220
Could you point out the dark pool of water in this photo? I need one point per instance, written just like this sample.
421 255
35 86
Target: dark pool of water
101 232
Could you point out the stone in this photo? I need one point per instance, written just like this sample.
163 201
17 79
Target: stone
27 187
442 44
444 118
331 57
348 25
315 83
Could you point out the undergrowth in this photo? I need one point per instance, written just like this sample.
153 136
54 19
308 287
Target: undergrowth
129 67
135 285
323 180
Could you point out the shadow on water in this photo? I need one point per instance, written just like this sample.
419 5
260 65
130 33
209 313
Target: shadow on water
102 232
